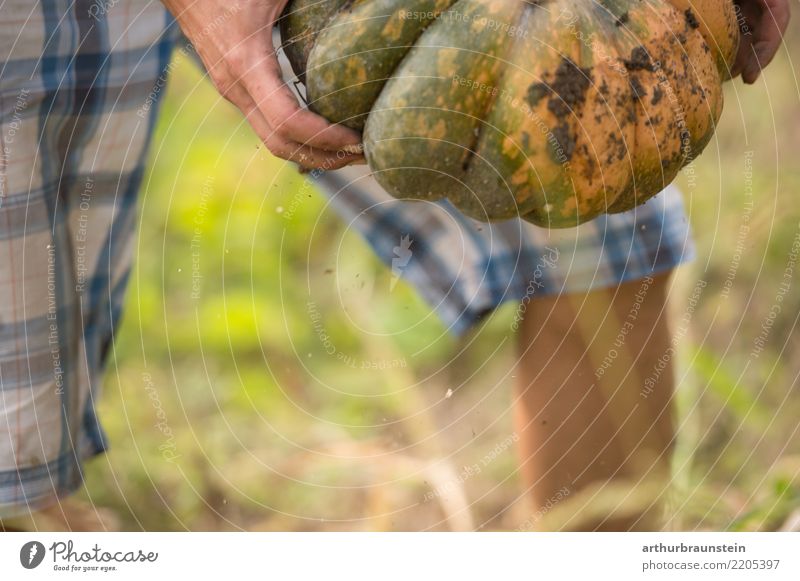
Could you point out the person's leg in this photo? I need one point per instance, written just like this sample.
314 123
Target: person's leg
76 116
594 419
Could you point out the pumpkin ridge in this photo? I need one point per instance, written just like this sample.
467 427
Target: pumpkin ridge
638 59
363 26
527 8
673 126
612 16
296 50
638 64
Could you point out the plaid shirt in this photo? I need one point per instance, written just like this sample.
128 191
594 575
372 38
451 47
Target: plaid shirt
465 268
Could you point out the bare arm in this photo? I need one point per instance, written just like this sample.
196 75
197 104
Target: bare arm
234 41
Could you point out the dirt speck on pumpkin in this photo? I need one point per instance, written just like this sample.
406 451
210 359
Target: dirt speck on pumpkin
622 19
569 87
566 142
639 60
691 19
657 95
535 93
636 86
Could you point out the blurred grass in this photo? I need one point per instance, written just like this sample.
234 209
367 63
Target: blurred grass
245 397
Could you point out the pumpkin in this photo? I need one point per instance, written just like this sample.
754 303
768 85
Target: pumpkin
555 111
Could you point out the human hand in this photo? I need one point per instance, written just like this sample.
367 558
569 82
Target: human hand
761 24
234 41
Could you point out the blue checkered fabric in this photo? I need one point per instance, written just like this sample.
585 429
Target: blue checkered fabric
77 108
465 268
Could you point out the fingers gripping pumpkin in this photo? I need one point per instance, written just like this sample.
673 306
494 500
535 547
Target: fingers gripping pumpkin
555 111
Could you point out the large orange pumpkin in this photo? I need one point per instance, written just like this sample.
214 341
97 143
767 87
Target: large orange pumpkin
556 111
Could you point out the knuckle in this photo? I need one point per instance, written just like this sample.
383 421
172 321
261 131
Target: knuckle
224 85
281 114
278 148
282 132
236 61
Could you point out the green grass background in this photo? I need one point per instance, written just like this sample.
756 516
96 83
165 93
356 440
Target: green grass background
225 411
